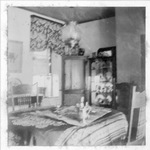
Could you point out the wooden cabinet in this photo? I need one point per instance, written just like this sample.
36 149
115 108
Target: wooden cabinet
73 79
103 77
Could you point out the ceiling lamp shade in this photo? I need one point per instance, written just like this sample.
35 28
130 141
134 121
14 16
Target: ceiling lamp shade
71 32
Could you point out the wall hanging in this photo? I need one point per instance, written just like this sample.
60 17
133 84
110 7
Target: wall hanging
46 34
15 56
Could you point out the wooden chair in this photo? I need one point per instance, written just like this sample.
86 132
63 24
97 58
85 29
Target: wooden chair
24 96
123 97
136 132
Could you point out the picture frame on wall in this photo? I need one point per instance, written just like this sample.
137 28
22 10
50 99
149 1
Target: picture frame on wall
15 49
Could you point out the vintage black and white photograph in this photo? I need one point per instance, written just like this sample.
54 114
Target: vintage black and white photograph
76 76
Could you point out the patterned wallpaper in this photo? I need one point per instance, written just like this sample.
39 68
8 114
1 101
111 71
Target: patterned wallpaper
46 34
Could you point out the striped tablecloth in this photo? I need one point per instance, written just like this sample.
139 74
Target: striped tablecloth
102 132
103 128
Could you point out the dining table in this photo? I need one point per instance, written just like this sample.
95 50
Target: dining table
64 126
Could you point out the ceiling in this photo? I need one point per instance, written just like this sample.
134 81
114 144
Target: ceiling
79 14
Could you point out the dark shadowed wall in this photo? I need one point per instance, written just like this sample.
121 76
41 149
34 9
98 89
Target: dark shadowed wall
129 28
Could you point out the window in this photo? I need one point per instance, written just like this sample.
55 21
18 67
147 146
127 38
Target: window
50 82
42 73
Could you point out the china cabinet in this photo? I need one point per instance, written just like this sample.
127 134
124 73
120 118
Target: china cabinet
103 77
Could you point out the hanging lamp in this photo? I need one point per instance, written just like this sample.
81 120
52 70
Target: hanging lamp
71 34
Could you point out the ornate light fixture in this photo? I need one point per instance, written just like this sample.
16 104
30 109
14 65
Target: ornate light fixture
71 34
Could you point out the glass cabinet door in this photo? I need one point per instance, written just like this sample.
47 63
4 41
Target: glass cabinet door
102 82
73 79
102 72
74 74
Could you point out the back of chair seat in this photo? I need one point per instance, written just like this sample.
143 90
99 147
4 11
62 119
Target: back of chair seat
124 94
22 89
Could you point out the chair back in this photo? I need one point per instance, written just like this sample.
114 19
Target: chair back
21 89
137 117
124 94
